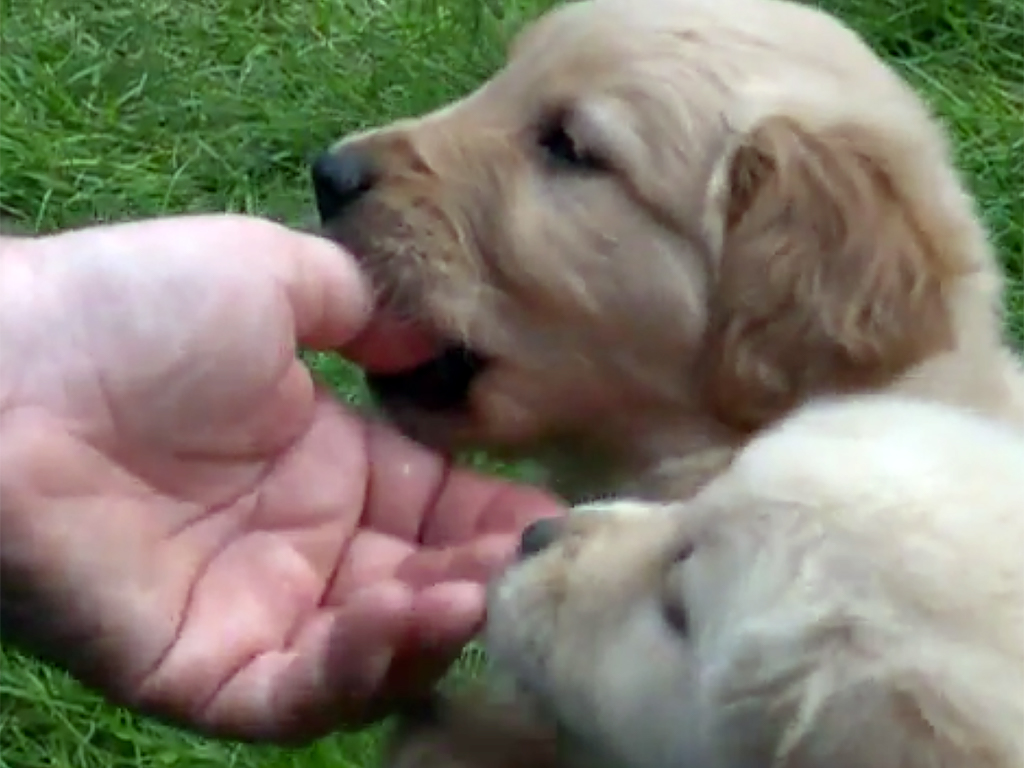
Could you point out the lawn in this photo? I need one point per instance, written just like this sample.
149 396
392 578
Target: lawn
139 107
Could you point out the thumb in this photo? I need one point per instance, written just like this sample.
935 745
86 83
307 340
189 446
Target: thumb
330 299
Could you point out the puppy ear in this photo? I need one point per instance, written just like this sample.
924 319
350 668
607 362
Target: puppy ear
831 278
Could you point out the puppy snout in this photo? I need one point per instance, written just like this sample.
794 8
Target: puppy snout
539 535
339 179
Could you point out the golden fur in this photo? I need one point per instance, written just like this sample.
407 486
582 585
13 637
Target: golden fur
665 225
848 594
762 212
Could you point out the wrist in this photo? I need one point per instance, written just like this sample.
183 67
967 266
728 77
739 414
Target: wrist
13 247
15 286
20 312
19 258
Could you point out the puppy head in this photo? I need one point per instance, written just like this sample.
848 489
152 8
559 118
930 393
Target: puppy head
664 209
849 593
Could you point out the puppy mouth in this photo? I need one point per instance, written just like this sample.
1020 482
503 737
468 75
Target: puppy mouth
408 366
440 384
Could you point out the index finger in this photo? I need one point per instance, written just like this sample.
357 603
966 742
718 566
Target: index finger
417 496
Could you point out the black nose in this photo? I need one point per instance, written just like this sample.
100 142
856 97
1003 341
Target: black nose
339 179
539 535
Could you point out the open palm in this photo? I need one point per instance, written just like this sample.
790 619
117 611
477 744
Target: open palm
189 522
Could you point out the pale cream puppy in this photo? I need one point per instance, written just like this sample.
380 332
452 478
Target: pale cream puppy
848 594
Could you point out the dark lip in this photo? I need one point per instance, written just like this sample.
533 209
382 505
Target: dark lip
441 384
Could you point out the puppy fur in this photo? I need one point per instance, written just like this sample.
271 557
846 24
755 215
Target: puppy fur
666 223
848 594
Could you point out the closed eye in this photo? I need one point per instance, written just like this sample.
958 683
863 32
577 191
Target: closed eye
674 607
562 151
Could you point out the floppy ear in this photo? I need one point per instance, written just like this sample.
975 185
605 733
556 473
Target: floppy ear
829 280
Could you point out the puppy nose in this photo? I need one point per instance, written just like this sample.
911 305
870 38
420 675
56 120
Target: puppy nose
339 179
539 535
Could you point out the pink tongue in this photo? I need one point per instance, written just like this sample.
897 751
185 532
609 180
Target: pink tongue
389 345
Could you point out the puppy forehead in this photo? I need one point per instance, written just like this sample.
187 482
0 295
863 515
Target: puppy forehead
649 52
722 42
609 45
568 53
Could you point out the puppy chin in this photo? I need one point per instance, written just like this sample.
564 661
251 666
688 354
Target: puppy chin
429 401
443 432
518 633
483 416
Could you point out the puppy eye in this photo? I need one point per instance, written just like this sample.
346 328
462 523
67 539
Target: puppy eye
674 607
563 151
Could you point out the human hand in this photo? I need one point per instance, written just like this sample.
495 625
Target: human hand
189 522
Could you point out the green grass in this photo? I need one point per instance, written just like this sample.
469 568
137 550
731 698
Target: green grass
140 107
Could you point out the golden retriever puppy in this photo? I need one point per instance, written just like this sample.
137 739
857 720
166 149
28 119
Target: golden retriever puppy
661 226
848 594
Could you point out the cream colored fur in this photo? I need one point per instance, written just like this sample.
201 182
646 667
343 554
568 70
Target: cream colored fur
776 215
771 216
848 594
